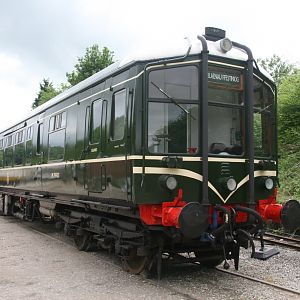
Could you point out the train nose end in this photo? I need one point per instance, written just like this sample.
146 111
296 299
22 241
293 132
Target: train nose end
193 220
290 215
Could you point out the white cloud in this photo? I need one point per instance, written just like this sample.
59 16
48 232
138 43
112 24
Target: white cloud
18 87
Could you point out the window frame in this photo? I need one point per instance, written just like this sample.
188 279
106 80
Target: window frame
91 127
112 122
56 122
181 101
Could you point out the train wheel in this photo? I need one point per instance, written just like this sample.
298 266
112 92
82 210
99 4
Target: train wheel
83 241
133 263
210 260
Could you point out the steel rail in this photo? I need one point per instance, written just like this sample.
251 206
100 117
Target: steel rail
282 240
274 285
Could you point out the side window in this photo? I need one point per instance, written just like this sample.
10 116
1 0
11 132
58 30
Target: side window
8 156
1 152
39 139
19 147
57 122
96 122
9 141
57 134
29 133
29 145
118 115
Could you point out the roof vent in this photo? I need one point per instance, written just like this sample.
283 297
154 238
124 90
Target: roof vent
214 34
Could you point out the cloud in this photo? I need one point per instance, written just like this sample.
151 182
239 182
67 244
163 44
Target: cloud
17 86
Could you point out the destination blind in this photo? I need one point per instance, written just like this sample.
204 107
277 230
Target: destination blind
224 78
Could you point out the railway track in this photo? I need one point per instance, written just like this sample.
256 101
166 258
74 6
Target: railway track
282 240
273 285
187 296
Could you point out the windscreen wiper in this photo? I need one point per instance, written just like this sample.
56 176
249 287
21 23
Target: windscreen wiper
173 100
263 109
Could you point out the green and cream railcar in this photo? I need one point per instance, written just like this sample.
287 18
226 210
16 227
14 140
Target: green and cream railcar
162 153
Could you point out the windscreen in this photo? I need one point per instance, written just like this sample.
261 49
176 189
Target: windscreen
173 110
225 112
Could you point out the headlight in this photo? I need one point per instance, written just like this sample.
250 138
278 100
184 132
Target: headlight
225 45
168 182
269 183
171 183
231 184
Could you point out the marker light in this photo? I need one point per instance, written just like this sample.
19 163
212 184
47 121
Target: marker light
269 183
225 45
231 184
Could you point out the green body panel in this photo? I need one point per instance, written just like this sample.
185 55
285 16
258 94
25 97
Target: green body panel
152 192
109 169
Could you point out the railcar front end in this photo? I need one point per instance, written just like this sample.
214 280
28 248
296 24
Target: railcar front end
208 171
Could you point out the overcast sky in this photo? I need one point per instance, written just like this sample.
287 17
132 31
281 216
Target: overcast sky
42 39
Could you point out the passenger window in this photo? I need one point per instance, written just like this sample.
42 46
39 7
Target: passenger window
57 135
118 115
1 153
57 122
57 145
39 139
51 124
96 122
9 141
29 145
19 148
19 137
8 152
29 133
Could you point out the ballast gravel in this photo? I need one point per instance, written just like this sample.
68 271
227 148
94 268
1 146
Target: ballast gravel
47 265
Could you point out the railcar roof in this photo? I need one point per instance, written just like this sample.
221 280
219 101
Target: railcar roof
170 50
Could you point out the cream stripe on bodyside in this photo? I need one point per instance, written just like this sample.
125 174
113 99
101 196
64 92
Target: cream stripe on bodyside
179 172
171 171
71 162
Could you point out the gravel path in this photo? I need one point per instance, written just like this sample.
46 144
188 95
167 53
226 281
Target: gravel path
48 266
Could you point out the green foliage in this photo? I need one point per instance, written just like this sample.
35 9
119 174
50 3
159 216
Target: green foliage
289 135
277 68
289 111
93 61
47 92
287 79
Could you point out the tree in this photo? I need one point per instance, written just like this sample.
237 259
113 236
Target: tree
277 68
289 110
289 135
93 61
47 92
